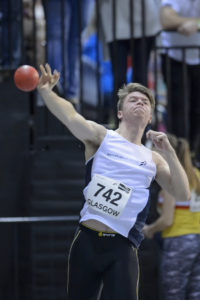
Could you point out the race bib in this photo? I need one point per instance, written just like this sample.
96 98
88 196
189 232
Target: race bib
107 195
194 202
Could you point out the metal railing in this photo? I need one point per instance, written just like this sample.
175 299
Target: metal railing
17 292
98 107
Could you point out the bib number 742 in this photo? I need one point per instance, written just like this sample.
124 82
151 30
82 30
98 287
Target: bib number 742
108 194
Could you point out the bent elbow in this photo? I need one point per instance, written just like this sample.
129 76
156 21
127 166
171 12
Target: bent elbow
187 194
182 194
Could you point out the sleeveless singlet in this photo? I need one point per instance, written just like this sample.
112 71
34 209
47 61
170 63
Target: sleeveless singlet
118 178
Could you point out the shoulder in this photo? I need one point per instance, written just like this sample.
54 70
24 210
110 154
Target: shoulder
91 146
99 133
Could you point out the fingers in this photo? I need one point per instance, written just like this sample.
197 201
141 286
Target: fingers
46 70
47 75
48 79
151 134
43 71
159 139
56 74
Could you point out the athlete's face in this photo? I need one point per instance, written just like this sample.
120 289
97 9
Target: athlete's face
136 105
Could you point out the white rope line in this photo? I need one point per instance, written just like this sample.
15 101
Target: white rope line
38 219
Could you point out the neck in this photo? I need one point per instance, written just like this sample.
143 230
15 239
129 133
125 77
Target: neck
133 134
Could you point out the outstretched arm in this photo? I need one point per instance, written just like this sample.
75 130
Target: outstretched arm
84 130
170 173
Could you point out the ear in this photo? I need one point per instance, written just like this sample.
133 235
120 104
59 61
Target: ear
119 114
150 120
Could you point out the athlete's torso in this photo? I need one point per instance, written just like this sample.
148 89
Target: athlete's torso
130 171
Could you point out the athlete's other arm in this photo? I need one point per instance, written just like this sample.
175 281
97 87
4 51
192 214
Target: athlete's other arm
86 131
166 217
170 174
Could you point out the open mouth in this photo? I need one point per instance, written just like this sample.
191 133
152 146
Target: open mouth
140 107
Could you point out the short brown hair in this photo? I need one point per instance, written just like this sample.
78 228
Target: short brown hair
134 87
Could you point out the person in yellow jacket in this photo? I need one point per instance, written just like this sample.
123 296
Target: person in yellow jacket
179 223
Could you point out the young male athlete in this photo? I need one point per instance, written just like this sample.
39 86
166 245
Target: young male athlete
119 173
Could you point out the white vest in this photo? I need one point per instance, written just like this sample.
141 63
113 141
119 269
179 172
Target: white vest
129 164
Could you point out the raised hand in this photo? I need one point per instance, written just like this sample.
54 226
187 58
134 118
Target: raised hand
47 79
159 140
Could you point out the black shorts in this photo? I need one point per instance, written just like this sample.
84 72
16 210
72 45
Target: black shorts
96 258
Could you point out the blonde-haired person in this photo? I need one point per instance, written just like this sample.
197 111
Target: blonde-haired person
180 226
119 172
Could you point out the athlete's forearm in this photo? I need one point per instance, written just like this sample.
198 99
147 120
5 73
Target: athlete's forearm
178 179
81 128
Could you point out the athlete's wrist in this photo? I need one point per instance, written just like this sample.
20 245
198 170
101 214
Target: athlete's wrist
45 91
169 153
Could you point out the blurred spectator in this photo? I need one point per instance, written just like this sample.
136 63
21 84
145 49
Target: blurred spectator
181 68
94 65
67 30
144 13
10 34
34 32
179 223
129 29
